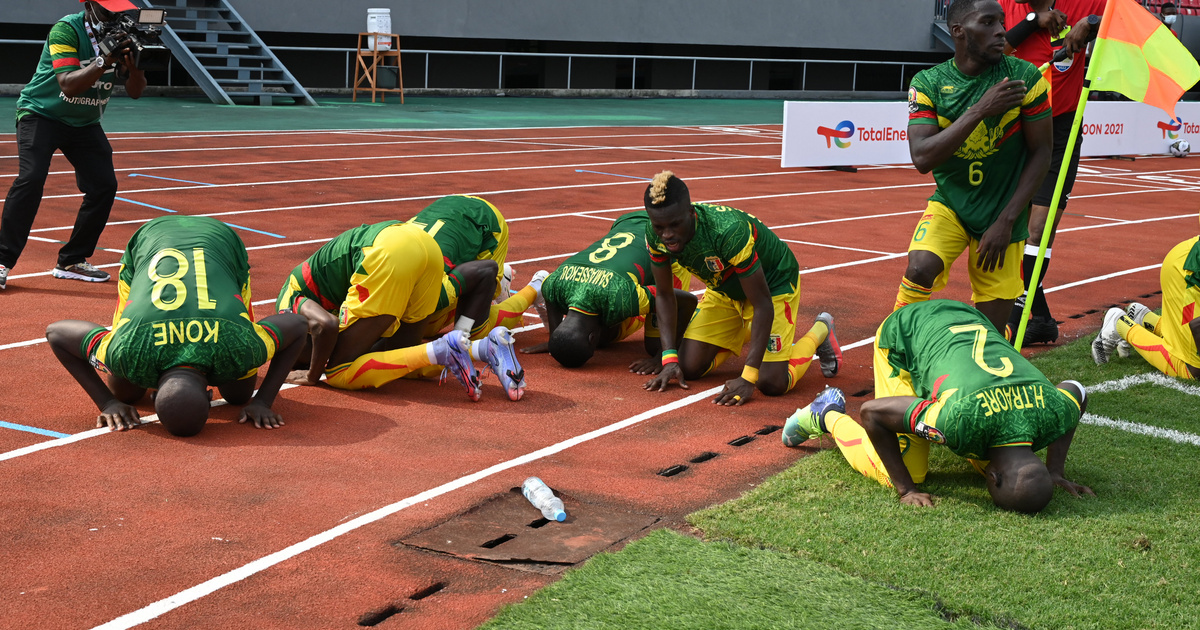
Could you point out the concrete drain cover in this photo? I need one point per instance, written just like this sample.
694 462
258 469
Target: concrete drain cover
506 529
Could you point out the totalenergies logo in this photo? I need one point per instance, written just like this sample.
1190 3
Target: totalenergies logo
1171 129
839 135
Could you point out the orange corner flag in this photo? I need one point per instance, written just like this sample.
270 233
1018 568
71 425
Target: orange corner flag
1137 56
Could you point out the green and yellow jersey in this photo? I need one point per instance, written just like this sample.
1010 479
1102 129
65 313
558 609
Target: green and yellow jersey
611 278
184 290
976 391
326 276
982 175
67 47
729 244
466 228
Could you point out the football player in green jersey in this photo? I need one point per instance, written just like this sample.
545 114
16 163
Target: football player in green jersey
981 123
753 283
943 374
183 322
606 293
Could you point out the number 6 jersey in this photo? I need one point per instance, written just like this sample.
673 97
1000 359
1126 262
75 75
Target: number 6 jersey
184 290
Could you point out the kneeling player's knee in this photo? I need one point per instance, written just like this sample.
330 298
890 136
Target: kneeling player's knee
692 370
922 274
773 386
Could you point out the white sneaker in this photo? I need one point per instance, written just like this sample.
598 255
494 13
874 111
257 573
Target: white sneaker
1106 341
3 276
539 303
84 271
1138 313
505 284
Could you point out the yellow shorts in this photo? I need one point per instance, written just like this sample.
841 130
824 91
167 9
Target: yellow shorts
1179 305
940 231
725 323
402 277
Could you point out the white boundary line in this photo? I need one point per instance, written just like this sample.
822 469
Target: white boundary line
194 593
1153 378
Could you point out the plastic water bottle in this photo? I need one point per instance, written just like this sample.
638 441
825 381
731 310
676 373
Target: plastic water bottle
542 498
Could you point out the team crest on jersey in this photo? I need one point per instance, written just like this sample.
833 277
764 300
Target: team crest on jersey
714 264
929 433
947 89
343 315
912 100
775 344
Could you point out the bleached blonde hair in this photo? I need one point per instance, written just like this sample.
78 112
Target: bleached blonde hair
658 187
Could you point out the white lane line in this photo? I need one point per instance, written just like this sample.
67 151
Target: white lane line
1117 274
1142 429
1122 384
1124 223
194 593
852 249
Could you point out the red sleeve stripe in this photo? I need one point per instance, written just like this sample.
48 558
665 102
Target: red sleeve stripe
66 61
749 264
916 412
928 113
1036 109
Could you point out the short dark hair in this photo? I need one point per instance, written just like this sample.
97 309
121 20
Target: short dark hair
1166 5
570 346
182 401
959 10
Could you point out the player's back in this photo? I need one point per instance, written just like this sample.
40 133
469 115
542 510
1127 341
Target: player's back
464 227
335 263
621 250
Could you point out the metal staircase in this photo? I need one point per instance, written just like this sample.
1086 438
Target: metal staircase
224 55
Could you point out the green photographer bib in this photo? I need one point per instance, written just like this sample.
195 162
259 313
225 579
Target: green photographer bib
68 48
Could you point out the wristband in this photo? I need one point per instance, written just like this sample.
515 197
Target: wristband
670 356
750 374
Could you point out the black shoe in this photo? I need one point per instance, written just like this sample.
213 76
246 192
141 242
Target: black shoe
1041 329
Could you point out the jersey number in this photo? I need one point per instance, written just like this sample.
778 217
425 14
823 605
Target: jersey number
432 229
609 247
974 174
1006 366
173 280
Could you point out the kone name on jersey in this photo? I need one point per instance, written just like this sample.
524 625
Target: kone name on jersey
1012 397
191 331
588 275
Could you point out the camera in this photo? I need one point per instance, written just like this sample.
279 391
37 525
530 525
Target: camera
144 34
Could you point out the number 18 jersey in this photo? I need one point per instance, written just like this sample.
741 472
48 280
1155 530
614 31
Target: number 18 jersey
981 177
184 289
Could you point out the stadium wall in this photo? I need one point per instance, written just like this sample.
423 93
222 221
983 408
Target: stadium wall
896 25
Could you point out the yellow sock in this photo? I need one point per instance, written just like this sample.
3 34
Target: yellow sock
376 368
1153 349
1150 321
509 313
803 350
911 292
717 360
852 440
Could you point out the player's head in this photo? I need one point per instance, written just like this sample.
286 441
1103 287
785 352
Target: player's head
1018 480
182 401
669 205
574 341
977 27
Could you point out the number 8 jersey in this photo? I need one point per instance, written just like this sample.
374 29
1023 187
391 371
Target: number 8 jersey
981 177
184 290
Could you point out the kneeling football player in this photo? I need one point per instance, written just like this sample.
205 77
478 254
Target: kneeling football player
183 322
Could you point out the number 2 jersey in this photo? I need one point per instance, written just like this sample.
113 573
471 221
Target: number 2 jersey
982 175
976 390
184 290
610 278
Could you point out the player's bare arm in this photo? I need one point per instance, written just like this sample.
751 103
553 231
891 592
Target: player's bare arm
883 419
930 145
65 338
1039 143
665 306
323 327
292 328
738 391
1056 462
555 318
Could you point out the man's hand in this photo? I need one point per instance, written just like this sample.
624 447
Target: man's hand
917 498
1078 39
737 391
537 349
993 245
262 415
118 416
660 382
646 365
1075 489
299 377
1000 98
1053 20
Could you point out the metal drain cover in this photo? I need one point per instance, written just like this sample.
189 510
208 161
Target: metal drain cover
506 529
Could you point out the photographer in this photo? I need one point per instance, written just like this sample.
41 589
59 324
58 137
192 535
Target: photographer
60 109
